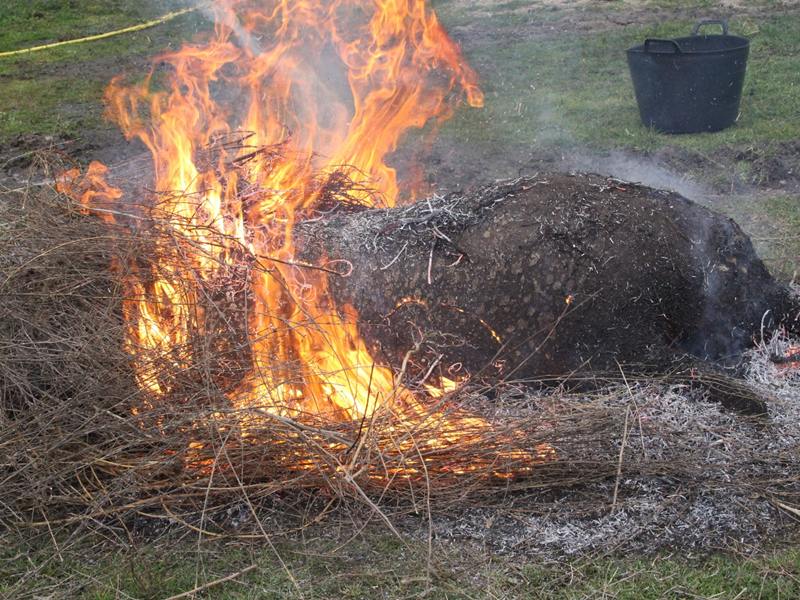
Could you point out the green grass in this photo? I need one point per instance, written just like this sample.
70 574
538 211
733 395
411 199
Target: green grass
59 91
785 210
784 252
24 24
379 566
576 91
566 89
55 96
32 22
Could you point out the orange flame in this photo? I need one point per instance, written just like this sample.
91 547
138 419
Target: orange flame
336 85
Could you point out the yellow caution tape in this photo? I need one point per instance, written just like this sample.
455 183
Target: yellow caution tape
101 36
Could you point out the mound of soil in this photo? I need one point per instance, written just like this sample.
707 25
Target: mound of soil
552 275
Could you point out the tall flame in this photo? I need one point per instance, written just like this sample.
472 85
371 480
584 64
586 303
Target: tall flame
333 85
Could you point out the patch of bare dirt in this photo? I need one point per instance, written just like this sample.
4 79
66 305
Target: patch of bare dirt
24 158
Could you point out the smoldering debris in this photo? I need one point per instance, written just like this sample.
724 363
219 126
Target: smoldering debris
691 477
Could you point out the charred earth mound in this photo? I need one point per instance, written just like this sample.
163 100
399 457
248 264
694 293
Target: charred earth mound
552 276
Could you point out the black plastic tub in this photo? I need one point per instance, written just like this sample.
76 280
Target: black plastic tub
690 84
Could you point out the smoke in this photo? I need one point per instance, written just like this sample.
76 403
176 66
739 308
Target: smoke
555 139
222 13
647 171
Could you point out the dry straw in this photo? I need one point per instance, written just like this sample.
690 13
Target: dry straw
77 449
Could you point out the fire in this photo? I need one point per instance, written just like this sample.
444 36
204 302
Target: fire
790 360
320 88
446 386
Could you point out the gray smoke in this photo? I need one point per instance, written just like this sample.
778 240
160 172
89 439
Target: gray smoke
219 12
638 169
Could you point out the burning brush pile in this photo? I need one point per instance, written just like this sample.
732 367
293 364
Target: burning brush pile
188 336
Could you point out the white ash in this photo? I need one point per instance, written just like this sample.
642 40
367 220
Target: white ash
693 476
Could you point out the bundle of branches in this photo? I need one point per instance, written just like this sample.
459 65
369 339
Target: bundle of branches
81 439
84 441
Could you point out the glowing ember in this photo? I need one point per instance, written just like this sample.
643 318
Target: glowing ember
445 387
791 360
323 90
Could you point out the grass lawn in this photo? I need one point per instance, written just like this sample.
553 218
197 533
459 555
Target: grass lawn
59 92
561 90
24 24
377 565
564 89
577 91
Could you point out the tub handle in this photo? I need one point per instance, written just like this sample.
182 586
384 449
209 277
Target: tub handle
721 22
653 41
